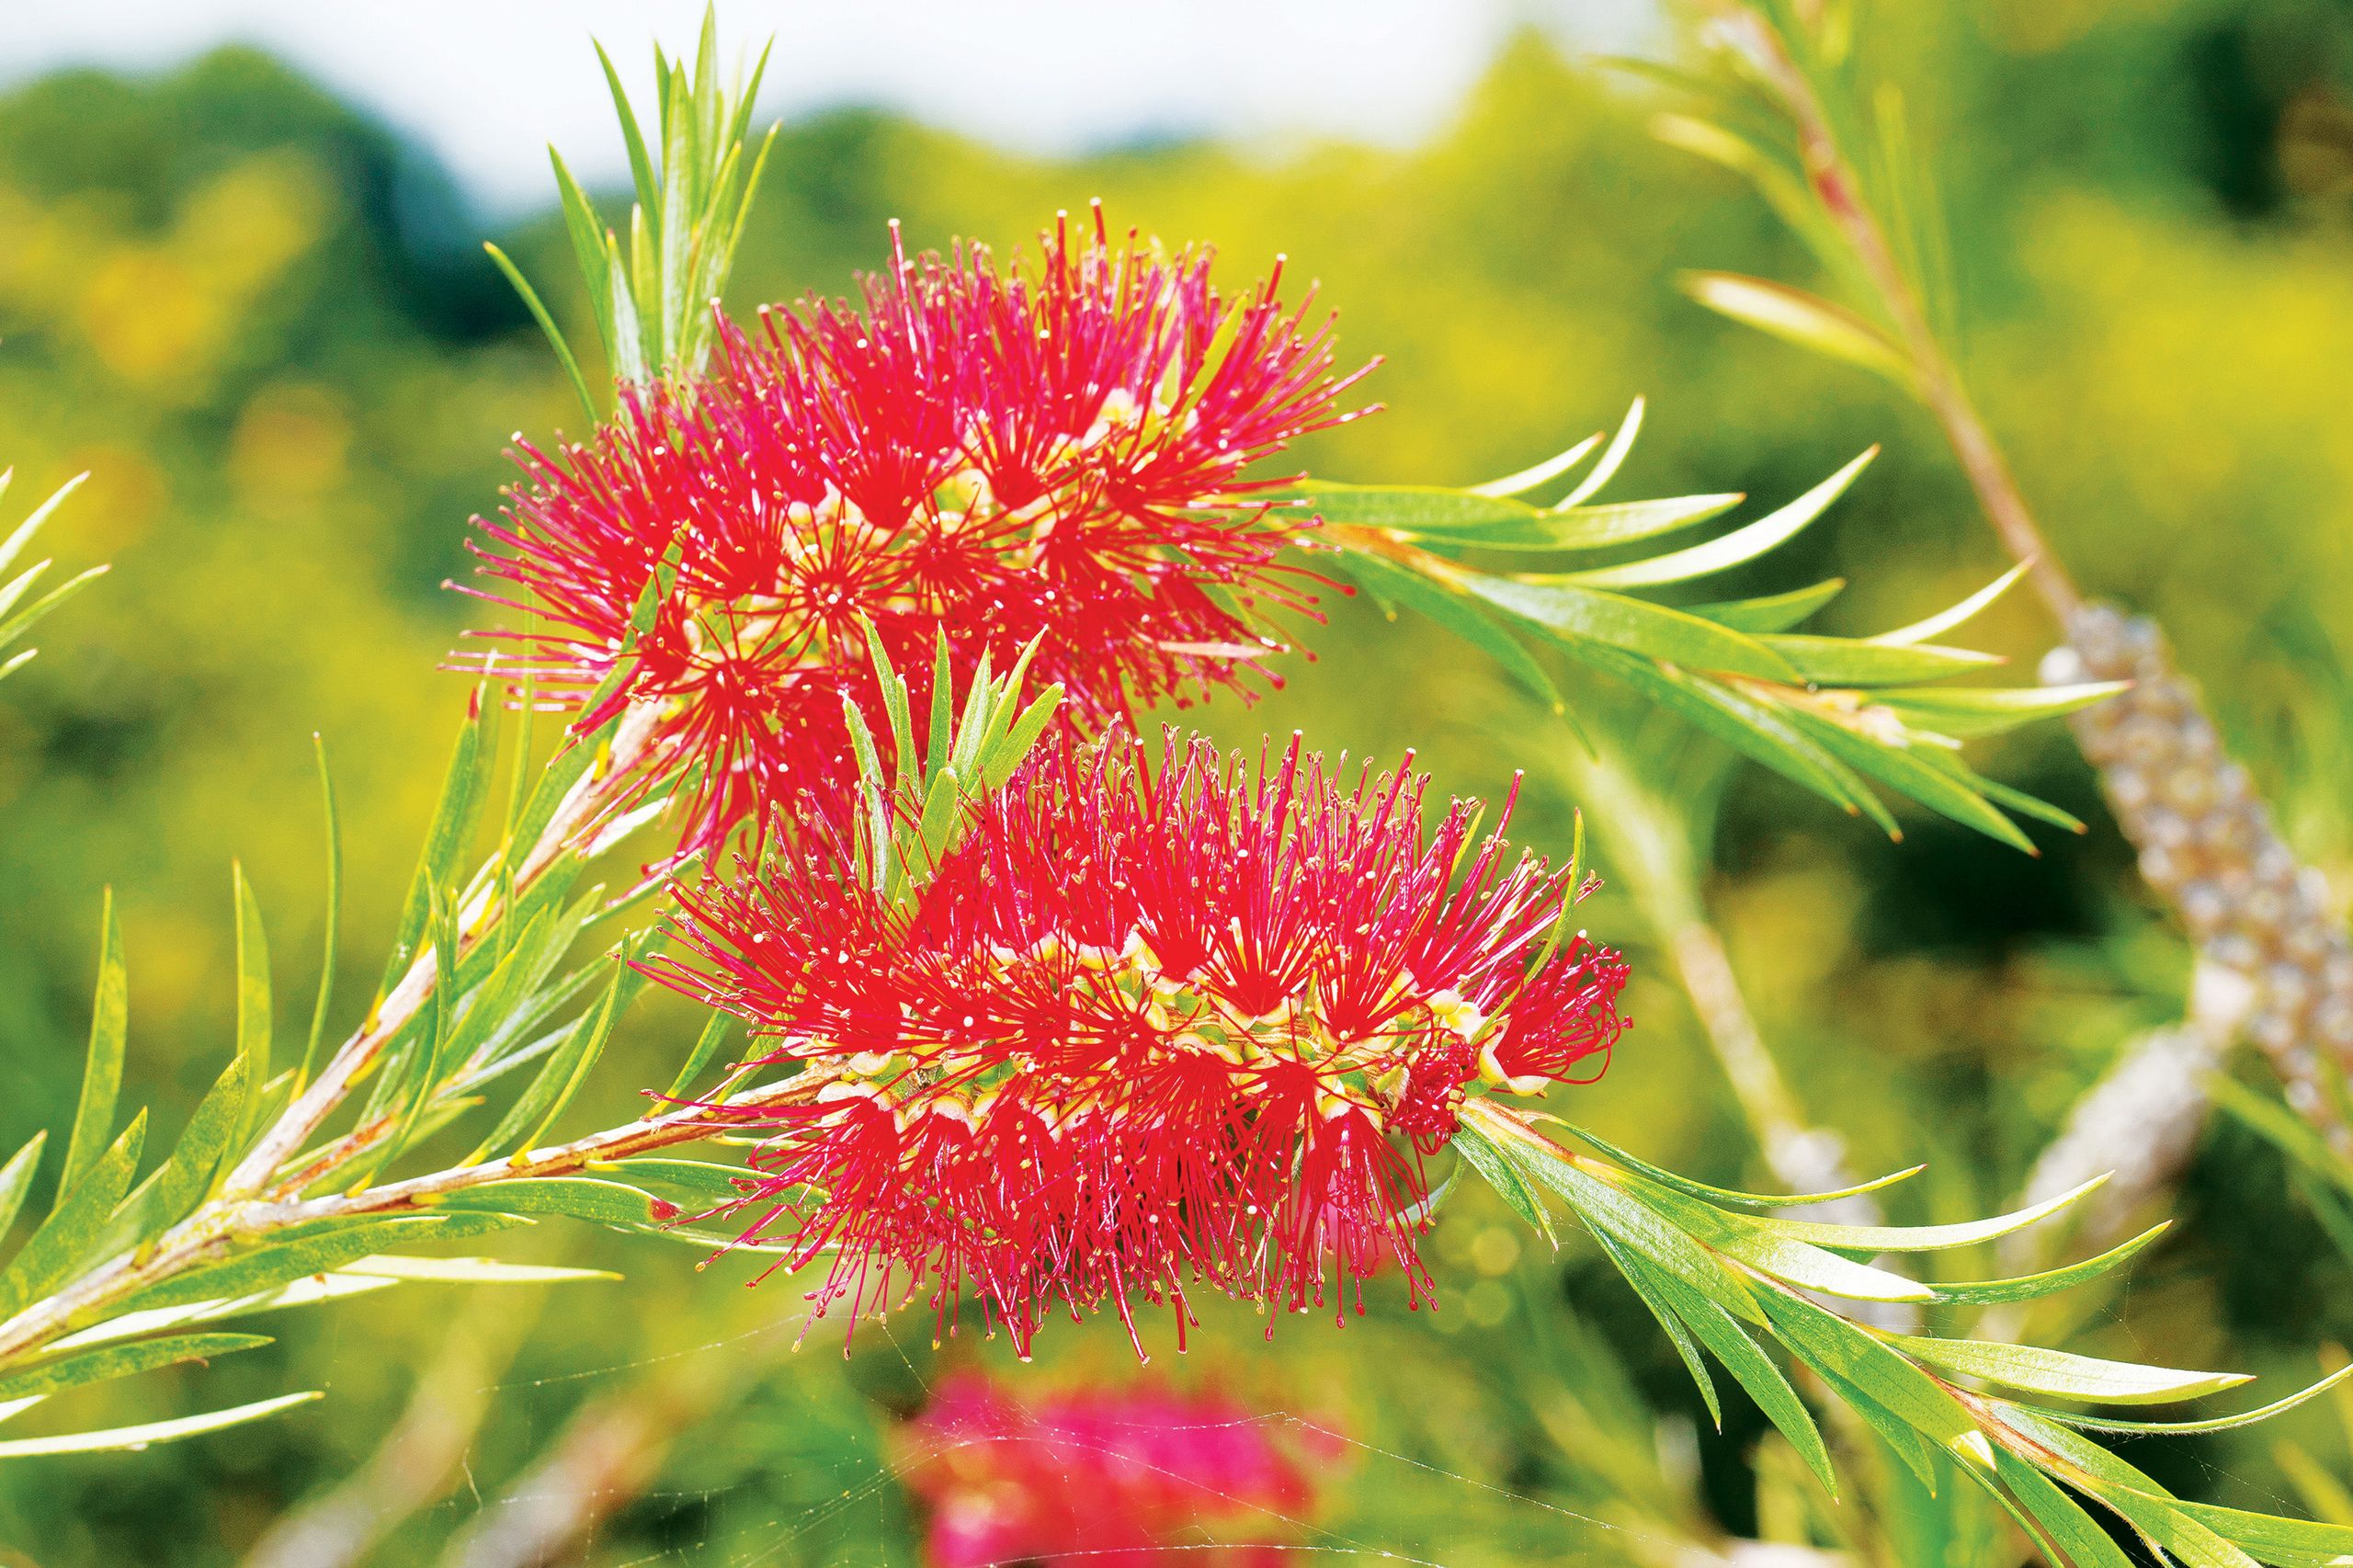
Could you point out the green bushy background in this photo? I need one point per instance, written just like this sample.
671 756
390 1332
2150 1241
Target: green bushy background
268 328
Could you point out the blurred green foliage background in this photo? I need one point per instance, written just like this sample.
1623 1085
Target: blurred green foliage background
268 330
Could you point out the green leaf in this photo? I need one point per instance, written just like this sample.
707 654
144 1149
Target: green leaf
333 914
1503 1174
2073 1530
1753 1370
2272 1539
1570 527
2215 1423
1842 660
528 1119
1612 459
1601 1205
16 625
1456 614
312 1251
1652 630
213 1134
1753 728
507 990
391 1267
1915 778
102 1074
16 542
1965 712
53 1374
2026 1287
1542 473
1959 615
1748 1239
2065 1376
152 1432
2156 1512
547 325
1829 1343
576 1198
1924 1238
74 1225
691 1182
303 1292
1728 550
253 978
1795 317
463 791
17 1180
1644 1281
706 1046
1701 1190
1772 612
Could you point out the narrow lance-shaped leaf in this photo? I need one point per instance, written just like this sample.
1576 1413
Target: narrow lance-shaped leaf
56 1373
331 1245
2073 1532
528 1119
554 334
1748 1239
1925 1238
102 1072
578 1197
706 1046
1771 612
1643 1280
253 979
1741 1355
309 1291
213 1134
1959 615
150 1433
16 1179
2055 1372
1795 317
1541 473
1737 548
1612 459
78 1222
1500 1173
1458 615
2212 1423
463 791
334 915
2028 1286
391 1267
1701 1190
1655 631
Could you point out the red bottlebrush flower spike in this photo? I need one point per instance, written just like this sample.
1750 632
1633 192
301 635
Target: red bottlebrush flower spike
1052 453
1144 1029
1109 1477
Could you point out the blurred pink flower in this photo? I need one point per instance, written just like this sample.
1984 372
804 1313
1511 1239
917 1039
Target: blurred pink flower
1109 1477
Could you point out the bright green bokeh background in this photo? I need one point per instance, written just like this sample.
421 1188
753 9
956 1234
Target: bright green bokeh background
271 335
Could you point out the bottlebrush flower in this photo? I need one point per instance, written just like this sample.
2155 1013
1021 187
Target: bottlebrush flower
1141 1030
1053 452
1113 1477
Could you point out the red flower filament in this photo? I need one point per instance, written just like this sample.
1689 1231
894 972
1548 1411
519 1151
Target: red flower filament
1054 453
1143 1031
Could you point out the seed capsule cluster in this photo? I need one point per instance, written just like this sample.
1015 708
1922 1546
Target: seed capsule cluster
2208 843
